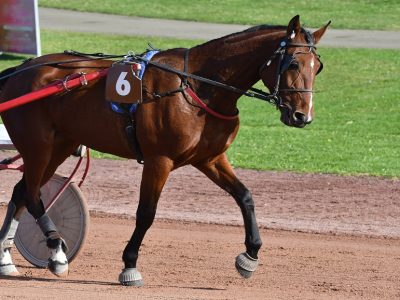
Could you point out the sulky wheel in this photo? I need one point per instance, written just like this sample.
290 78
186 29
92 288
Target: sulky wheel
69 213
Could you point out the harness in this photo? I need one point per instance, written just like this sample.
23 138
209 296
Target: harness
274 98
285 60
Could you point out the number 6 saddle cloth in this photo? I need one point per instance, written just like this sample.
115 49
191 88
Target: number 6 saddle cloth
128 84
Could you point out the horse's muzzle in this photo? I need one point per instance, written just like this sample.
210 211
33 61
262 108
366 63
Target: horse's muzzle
293 119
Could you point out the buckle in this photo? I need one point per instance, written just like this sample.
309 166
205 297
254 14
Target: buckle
83 79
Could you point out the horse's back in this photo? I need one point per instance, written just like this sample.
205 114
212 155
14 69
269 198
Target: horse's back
81 115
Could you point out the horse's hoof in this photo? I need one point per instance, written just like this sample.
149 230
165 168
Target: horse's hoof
246 265
8 270
57 268
130 277
7 267
58 263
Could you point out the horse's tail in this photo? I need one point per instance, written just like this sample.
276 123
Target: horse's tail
4 75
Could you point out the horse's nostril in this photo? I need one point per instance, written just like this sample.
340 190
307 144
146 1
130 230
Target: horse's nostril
299 117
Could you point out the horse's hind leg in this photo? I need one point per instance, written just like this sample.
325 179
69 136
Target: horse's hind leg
220 171
8 230
39 165
155 173
58 263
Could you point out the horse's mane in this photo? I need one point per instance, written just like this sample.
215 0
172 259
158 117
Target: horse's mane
238 36
265 27
269 29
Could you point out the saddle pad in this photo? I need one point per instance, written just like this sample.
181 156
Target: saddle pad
5 142
117 107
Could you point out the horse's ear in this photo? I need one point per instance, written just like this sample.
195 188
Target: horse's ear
294 27
317 35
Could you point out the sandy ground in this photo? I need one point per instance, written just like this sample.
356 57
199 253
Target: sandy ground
181 260
325 237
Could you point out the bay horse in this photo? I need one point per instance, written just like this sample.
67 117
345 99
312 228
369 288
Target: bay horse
171 128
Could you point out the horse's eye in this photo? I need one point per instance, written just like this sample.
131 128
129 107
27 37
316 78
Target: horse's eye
293 66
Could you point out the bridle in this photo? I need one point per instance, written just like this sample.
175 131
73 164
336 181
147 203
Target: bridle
284 61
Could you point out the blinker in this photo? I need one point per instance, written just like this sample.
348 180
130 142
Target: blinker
321 66
286 61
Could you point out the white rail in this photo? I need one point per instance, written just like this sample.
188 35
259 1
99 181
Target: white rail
5 141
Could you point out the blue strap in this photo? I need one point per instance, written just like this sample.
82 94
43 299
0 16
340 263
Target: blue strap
147 56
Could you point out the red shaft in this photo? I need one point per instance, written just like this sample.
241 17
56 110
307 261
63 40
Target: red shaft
51 90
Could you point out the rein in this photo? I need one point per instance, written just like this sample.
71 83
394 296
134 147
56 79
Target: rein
256 93
98 56
272 98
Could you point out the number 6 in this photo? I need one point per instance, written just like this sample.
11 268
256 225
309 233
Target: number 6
122 86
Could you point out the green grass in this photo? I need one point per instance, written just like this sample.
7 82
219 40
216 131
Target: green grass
356 128
361 14
357 121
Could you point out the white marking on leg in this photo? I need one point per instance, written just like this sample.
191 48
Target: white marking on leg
58 263
5 258
7 267
58 255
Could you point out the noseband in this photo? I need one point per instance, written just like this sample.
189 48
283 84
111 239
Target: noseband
284 61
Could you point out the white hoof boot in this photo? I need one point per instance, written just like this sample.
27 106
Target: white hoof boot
58 262
7 267
246 265
130 277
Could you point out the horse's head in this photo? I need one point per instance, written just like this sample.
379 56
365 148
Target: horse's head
296 64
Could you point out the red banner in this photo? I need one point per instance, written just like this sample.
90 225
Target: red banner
19 26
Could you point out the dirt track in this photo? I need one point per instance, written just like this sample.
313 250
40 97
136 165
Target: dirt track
182 259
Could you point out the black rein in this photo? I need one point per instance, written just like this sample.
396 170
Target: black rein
272 98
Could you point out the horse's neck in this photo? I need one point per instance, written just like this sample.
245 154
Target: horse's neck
233 61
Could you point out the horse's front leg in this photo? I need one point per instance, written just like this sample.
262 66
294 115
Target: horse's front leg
155 174
220 171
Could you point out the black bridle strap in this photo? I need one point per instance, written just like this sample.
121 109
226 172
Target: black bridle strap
295 91
254 94
282 52
301 45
